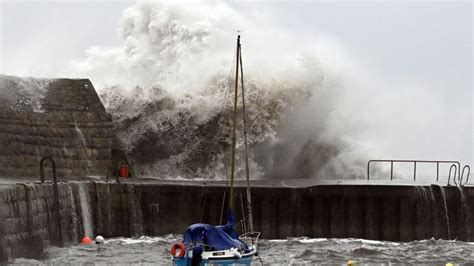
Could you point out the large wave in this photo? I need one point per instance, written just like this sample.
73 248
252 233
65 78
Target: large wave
168 89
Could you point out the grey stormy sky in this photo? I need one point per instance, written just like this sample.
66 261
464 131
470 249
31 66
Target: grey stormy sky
424 44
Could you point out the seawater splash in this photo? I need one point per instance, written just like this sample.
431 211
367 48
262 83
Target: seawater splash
135 215
85 209
465 210
28 95
433 207
424 212
72 214
445 207
80 134
172 111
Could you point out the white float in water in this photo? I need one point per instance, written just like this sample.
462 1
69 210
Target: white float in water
99 239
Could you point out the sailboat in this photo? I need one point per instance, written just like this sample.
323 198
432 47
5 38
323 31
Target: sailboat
205 244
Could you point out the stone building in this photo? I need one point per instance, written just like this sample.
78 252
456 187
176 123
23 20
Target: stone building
61 118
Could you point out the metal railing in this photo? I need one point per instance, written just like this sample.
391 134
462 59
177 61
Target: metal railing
53 165
455 167
415 162
56 194
468 173
460 176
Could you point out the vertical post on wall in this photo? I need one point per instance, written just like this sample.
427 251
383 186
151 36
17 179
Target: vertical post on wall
56 195
437 171
391 170
414 171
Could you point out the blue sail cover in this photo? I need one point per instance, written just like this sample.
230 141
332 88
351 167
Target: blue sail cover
216 237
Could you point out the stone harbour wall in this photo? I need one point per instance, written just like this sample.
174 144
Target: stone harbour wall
394 213
118 210
29 221
61 118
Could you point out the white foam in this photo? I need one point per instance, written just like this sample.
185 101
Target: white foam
313 240
278 240
145 239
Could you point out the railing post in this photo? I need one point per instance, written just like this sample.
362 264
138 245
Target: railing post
437 171
368 170
414 171
391 170
459 173
454 176
462 175
458 177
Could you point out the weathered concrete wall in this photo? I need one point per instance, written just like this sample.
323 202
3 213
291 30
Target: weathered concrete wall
62 118
395 213
28 220
117 211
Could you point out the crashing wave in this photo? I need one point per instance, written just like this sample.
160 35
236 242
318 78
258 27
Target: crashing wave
176 119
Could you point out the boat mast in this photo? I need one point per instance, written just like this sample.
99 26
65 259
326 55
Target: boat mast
247 171
234 127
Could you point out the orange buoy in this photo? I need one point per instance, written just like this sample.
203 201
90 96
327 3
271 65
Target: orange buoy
178 247
86 240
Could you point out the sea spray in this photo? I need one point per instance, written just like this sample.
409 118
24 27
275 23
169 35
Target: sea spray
85 209
188 135
72 214
168 89
28 94
466 215
423 214
445 207
80 135
135 215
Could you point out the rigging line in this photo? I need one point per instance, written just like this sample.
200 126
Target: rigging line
247 170
203 205
228 88
243 213
223 109
234 128
242 221
229 82
222 208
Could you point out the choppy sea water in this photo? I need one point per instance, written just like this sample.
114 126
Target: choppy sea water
317 251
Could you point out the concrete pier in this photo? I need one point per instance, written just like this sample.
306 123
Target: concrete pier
29 222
